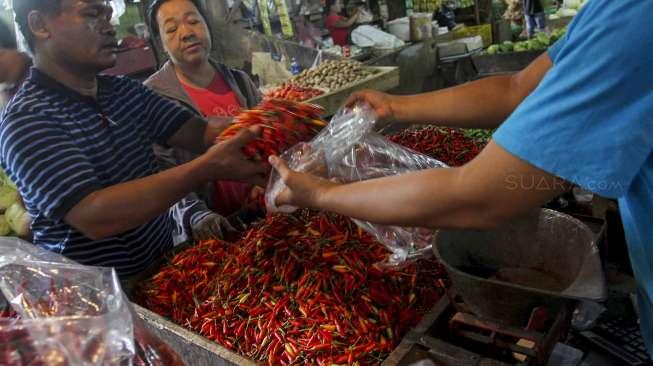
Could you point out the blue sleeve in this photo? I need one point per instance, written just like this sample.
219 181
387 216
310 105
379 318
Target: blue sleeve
52 174
589 120
163 117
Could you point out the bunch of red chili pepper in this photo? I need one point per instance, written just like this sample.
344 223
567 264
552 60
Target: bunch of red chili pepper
450 146
296 289
294 92
284 124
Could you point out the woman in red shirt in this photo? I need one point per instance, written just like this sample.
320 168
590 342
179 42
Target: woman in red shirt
338 25
211 90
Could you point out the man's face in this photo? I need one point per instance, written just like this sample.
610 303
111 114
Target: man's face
184 32
82 35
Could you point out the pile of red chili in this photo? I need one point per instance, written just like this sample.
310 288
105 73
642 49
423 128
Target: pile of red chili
296 289
294 92
450 146
284 124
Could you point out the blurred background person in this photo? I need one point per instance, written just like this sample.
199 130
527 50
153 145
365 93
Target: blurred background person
13 64
339 26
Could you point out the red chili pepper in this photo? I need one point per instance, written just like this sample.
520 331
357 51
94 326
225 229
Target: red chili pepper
294 92
450 146
265 301
284 123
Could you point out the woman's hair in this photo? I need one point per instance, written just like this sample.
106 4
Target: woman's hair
327 6
7 39
153 11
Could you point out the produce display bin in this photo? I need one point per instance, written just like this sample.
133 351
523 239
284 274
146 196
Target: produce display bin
384 79
194 349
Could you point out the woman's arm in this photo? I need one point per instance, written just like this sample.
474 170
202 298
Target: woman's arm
346 23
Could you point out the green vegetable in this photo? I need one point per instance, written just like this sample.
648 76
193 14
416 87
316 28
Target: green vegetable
479 134
544 38
8 196
557 34
493 49
535 45
5 181
18 219
4 226
507 47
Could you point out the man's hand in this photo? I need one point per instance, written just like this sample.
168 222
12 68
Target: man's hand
381 103
211 226
216 125
225 161
302 190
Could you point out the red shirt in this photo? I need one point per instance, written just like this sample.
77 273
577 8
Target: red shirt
339 35
216 100
219 100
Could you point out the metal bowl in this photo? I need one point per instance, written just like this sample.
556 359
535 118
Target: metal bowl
545 258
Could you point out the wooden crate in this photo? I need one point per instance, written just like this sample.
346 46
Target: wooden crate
195 349
385 79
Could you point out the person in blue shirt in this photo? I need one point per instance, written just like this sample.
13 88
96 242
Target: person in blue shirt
581 113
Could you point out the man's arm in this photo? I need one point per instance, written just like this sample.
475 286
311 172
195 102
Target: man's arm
485 103
197 135
122 207
490 189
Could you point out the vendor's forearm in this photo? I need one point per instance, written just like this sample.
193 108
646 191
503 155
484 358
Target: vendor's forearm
409 200
481 104
487 191
122 207
484 103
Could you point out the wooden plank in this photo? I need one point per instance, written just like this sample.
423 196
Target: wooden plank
385 79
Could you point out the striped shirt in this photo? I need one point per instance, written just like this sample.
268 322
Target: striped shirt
59 147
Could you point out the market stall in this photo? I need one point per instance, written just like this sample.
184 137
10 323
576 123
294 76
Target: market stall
306 287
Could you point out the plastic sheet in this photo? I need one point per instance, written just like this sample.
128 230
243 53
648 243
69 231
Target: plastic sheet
349 150
69 314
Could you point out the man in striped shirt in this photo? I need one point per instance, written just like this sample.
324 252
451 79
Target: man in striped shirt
79 145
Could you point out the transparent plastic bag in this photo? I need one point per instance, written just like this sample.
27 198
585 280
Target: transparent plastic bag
69 314
349 150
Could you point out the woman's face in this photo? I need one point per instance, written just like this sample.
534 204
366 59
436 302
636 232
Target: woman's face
337 6
184 32
12 66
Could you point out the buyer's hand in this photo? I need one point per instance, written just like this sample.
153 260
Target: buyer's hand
226 161
302 190
211 226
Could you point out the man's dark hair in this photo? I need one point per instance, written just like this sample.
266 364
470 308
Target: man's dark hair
7 39
153 11
22 8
